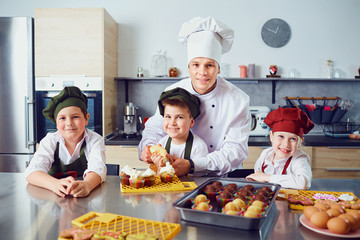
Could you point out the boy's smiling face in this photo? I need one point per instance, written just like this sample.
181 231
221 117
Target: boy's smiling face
71 123
177 123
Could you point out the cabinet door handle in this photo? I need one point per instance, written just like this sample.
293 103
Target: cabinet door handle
342 169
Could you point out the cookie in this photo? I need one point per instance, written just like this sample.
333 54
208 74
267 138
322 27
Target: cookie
294 199
77 233
109 235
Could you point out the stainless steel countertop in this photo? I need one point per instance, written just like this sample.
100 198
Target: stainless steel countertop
29 212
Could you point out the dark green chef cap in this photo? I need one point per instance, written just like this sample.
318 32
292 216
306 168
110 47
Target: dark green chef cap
69 96
192 101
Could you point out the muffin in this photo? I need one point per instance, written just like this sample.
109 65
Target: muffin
200 198
136 180
149 176
224 197
219 186
232 187
125 175
203 206
211 191
167 173
249 187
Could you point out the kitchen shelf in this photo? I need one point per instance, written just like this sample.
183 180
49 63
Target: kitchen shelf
236 80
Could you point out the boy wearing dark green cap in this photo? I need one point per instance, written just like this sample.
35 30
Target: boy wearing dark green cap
179 109
73 151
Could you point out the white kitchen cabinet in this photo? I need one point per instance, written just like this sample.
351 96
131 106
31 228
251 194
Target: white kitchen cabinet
79 42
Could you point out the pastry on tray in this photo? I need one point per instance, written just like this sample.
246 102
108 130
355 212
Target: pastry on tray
77 233
125 175
136 180
149 177
109 235
167 173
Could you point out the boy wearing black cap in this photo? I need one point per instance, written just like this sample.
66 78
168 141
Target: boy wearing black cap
179 109
285 163
224 122
73 151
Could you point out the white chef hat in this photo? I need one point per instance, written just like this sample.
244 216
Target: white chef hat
206 37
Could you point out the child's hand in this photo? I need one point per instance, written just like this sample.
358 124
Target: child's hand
146 155
79 188
259 177
61 186
157 159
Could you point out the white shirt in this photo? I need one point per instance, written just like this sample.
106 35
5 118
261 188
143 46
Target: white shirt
199 148
223 123
94 152
298 174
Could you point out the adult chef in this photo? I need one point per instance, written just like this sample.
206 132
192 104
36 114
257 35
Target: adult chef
224 120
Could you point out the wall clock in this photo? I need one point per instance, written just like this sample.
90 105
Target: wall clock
276 33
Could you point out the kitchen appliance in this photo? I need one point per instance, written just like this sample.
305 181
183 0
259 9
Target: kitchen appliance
130 120
258 115
48 87
17 93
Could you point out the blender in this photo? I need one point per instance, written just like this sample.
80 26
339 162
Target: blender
130 120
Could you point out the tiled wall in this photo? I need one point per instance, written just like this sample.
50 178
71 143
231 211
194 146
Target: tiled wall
145 94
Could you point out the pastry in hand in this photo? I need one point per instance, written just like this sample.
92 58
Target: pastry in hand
158 149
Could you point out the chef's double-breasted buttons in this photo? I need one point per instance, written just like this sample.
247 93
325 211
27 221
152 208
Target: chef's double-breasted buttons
211 127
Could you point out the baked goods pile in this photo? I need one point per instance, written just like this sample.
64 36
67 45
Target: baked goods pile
137 179
231 199
147 178
305 199
333 216
78 233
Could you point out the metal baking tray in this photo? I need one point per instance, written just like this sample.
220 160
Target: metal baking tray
215 217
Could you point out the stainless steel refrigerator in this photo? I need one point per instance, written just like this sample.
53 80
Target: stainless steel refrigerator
17 93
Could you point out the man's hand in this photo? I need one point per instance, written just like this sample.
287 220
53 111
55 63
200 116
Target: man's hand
146 155
181 166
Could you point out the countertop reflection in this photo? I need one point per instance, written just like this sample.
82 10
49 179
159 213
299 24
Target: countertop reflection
30 212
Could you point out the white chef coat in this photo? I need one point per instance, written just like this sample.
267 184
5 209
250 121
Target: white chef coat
199 148
223 123
94 152
298 174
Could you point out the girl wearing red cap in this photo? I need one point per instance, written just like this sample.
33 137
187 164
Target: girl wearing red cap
285 163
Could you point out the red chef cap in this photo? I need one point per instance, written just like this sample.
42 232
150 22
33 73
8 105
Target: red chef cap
291 120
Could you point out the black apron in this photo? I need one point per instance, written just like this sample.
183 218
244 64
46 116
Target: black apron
188 145
74 169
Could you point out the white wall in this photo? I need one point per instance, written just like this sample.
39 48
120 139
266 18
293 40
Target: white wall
321 29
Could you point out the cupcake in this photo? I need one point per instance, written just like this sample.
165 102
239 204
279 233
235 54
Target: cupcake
211 191
149 177
125 175
167 173
136 180
224 197
203 206
232 187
